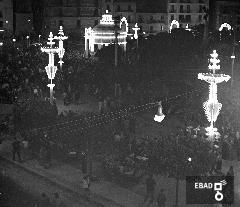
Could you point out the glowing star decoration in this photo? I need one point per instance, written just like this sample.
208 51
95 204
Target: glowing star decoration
135 29
174 22
225 25
159 116
212 107
61 50
105 33
50 68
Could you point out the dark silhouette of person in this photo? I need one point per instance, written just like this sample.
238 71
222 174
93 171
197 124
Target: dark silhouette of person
150 187
16 149
161 199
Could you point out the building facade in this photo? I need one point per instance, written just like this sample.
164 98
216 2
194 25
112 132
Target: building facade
187 12
73 15
6 17
227 11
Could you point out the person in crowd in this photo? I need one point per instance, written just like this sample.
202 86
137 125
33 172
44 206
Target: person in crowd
16 149
230 172
45 201
219 163
161 199
150 188
86 186
57 201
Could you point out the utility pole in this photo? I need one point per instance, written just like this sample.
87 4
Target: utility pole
116 84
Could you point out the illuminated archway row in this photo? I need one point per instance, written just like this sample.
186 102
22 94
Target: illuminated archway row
175 22
225 25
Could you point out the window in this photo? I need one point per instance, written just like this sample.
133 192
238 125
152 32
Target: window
162 18
129 8
151 18
140 19
108 8
118 8
129 19
78 23
200 9
1 23
151 28
188 18
181 9
1 14
60 22
181 18
172 8
200 18
188 8
172 17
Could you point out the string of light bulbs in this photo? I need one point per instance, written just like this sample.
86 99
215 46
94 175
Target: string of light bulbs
107 117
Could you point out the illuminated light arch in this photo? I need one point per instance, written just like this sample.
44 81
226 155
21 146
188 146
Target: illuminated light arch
174 22
104 34
124 20
225 25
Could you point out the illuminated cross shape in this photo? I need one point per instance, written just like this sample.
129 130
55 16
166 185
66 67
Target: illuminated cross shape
50 68
212 107
61 38
135 29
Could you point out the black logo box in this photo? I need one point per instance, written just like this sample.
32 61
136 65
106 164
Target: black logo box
207 196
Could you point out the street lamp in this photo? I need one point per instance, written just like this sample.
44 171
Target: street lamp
159 116
135 29
50 68
233 60
61 50
27 37
14 40
212 107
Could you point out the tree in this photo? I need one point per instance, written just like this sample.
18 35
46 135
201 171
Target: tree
180 156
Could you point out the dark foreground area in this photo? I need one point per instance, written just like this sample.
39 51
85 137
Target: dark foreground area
13 195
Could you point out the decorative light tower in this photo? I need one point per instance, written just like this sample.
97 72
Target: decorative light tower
50 68
159 116
212 107
61 50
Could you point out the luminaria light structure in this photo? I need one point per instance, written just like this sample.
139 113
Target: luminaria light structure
51 69
174 22
104 34
159 116
225 25
212 107
61 50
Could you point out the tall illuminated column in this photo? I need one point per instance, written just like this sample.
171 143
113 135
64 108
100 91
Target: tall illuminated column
50 68
60 39
212 107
